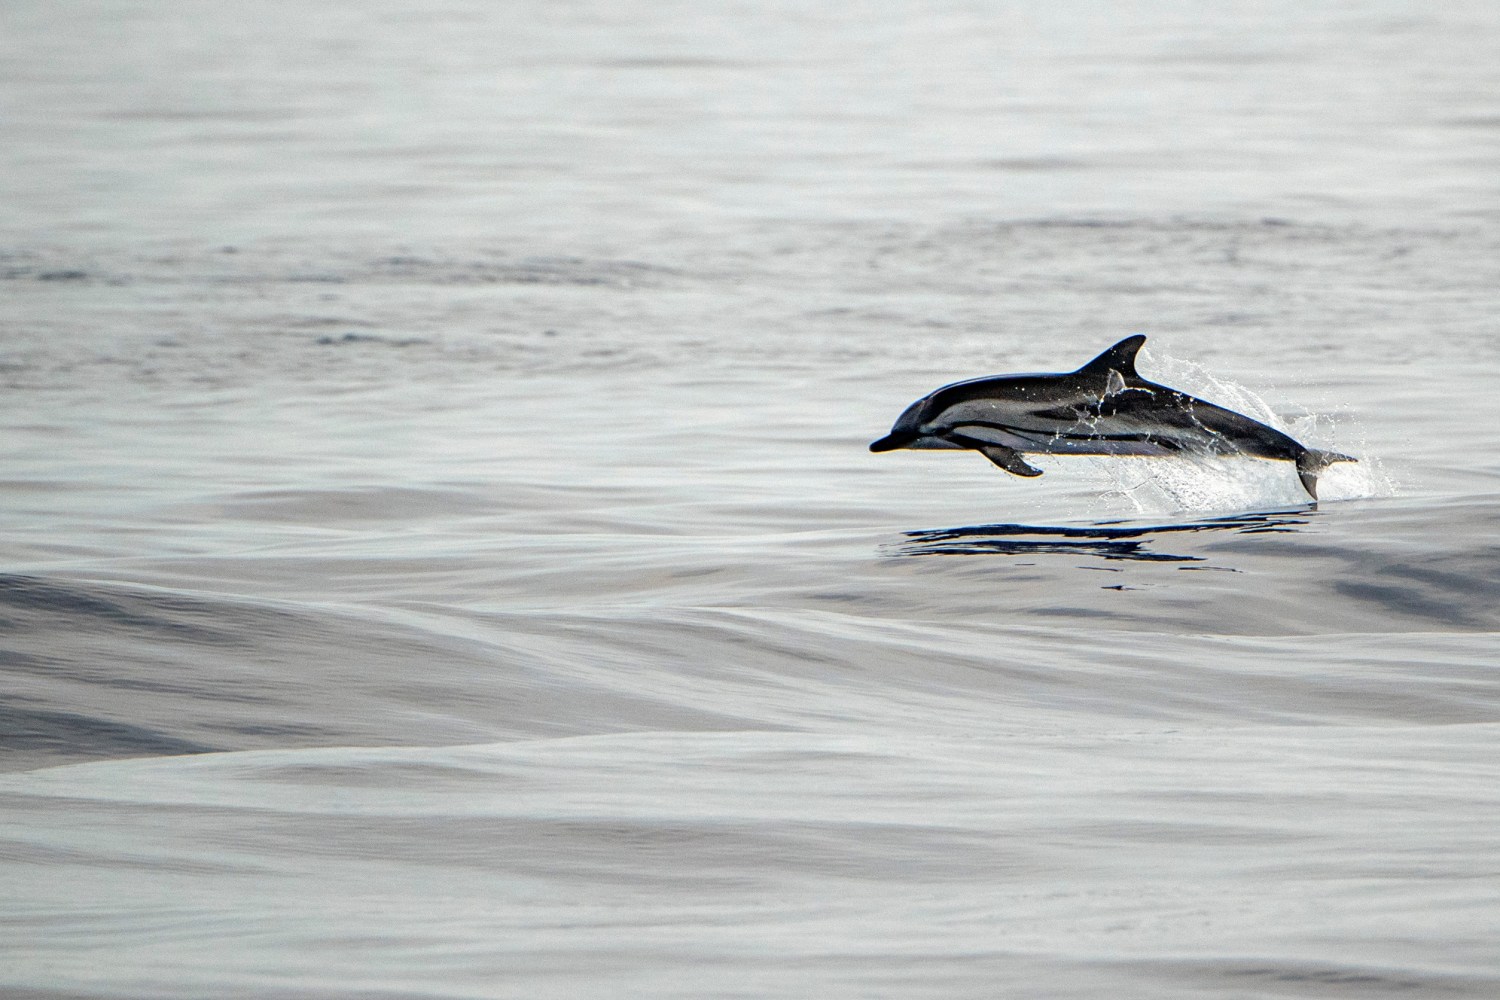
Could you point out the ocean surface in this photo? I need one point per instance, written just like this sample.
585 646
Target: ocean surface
440 555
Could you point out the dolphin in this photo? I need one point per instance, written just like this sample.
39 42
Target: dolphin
1103 408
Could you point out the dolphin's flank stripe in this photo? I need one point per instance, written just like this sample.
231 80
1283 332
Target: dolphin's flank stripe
1066 435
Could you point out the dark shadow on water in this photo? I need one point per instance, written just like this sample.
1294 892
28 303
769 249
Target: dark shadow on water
1115 540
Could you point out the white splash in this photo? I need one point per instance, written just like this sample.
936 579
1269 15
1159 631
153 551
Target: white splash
1222 483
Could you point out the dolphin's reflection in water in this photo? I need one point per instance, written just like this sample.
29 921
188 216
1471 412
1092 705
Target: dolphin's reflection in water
1105 540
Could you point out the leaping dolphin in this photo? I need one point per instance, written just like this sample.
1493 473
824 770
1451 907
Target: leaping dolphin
1104 408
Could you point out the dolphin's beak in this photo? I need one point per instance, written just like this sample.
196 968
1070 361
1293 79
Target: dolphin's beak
892 441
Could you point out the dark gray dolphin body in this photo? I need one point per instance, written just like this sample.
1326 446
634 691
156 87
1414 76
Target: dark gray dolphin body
1104 408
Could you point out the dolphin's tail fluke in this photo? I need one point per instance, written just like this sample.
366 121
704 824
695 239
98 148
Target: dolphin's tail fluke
1311 463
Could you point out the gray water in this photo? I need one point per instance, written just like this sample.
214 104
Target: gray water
442 557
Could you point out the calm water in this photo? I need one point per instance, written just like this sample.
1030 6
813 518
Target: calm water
442 558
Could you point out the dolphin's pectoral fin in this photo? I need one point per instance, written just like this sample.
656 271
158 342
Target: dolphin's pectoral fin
1002 455
1008 459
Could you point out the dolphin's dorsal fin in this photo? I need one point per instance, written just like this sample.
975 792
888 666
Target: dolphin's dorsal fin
1120 358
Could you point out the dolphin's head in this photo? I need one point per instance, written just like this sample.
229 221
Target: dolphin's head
907 429
924 423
